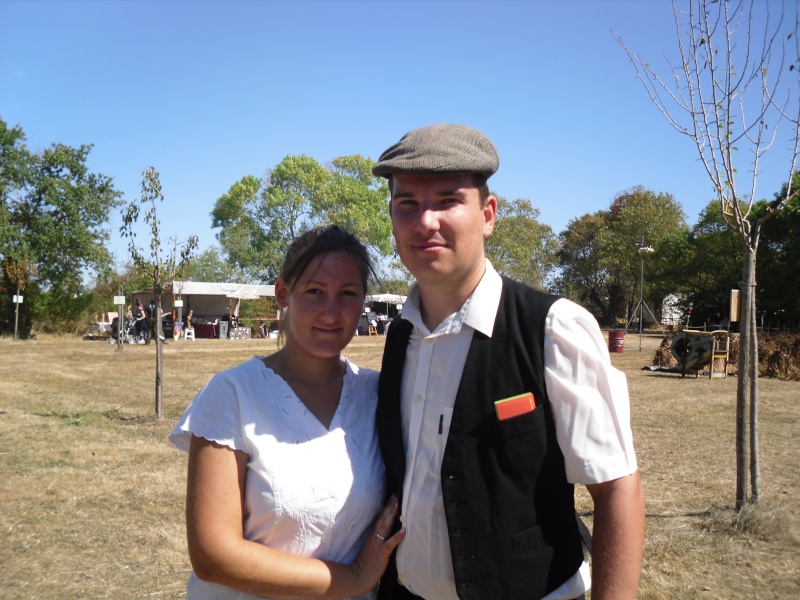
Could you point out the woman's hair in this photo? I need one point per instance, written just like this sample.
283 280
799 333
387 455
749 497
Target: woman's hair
319 242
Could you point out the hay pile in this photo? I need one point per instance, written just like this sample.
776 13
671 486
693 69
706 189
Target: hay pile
663 356
778 355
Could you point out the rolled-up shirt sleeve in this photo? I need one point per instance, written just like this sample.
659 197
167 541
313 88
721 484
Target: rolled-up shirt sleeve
589 397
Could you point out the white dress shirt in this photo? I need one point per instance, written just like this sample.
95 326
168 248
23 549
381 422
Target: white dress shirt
590 406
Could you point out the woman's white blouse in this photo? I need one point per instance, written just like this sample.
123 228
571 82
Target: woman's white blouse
310 491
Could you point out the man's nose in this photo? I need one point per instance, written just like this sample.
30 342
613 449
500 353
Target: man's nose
428 220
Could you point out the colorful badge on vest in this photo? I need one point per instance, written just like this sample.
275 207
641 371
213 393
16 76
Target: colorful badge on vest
514 406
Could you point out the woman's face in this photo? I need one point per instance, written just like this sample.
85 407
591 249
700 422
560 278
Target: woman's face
325 303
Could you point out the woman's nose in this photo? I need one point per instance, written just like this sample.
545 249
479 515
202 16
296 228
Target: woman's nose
330 307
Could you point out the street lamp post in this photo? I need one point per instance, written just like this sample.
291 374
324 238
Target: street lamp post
643 250
640 308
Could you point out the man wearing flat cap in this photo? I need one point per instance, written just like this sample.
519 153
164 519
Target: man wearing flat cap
495 399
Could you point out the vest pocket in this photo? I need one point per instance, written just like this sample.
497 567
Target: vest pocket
517 448
521 424
525 539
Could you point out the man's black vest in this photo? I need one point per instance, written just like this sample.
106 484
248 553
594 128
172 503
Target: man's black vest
510 510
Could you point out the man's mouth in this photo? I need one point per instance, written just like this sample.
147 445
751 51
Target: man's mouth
428 246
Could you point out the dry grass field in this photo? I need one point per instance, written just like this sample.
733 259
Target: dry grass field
91 501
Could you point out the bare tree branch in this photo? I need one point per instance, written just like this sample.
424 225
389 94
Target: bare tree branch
724 98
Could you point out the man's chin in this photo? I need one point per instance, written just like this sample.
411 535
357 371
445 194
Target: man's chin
430 274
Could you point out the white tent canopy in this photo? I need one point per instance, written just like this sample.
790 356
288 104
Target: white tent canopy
384 304
386 298
207 299
242 291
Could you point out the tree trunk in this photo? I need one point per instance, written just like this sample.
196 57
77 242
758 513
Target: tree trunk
159 358
755 487
744 370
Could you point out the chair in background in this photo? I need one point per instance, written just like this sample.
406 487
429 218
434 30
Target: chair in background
720 351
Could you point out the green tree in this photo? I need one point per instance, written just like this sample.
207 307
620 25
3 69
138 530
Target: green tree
713 262
585 275
162 264
241 237
258 220
287 207
599 259
521 247
53 219
210 265
358 201
113 283
779 262
641 216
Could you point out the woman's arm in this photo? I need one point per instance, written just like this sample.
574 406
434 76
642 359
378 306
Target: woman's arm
219 552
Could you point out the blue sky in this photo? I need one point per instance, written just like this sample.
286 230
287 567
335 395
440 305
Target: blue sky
208 91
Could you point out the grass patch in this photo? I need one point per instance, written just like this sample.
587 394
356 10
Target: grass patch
92 499
69 417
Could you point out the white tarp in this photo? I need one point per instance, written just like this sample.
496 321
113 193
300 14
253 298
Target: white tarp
672 310
386 298
205 298
242 291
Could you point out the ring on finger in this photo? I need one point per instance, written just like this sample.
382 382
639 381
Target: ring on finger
380 537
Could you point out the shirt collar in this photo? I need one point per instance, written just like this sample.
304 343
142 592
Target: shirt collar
478 311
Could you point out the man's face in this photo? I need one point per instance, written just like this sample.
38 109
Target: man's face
439 226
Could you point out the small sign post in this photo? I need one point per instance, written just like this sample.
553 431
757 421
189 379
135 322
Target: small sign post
120 302
17 299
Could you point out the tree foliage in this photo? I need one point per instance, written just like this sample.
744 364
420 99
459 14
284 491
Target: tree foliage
210 265
599 259
240 237
521 247
258 220
53 227
713 262
779 262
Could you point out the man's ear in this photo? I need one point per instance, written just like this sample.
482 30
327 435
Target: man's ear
281 293
489 216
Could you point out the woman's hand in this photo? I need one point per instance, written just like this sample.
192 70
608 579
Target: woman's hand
374 556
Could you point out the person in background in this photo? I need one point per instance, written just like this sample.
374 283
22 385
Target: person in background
285 480
494 400
177 326
140 321
150 312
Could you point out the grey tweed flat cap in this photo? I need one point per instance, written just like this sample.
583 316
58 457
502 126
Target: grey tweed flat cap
440 149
